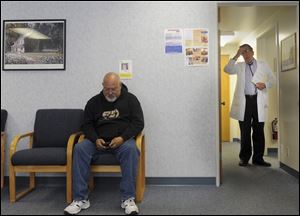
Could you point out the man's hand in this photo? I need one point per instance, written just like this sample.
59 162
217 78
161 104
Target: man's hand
100 144
116 142
239 52
260 85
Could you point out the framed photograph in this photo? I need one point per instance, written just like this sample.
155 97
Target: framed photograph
34 45
288 53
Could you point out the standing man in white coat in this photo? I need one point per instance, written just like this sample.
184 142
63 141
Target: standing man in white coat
250 103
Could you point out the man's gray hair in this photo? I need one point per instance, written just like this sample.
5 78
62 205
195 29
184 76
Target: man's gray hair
247 46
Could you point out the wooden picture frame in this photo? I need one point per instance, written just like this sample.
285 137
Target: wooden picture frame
288 53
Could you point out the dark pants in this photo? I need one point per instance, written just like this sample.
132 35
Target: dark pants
258 138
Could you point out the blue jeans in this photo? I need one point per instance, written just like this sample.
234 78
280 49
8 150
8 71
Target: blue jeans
127 154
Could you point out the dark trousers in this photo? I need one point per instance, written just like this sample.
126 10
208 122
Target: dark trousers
258 138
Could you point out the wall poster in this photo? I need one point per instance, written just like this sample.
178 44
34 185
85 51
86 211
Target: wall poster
288 53
173 41
196 46
125 69
34 44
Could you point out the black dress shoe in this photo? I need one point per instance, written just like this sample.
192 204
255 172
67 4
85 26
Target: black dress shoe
243 163
261 163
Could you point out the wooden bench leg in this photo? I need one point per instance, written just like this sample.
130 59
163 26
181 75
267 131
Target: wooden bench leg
69 187
12 185
91 182
140 180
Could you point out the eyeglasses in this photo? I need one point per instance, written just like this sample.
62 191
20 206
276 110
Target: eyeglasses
246 51
112 90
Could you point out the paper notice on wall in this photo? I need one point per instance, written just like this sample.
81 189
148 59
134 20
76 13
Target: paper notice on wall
196 46
173 41
125 69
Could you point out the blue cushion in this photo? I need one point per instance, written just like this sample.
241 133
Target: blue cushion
53 127
3 119
40 156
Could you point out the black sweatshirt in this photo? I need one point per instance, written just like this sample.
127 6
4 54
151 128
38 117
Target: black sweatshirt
106 120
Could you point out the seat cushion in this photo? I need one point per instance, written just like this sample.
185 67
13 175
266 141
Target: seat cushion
53 127
105 159
3 119
40 156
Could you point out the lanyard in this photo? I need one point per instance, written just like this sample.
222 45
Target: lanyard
250 68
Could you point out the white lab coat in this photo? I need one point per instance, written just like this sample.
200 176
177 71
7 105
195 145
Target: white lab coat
263 74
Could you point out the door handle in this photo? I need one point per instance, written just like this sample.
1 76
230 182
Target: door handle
223 103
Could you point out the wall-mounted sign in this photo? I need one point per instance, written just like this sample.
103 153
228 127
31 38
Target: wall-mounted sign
196 46
173 41
125 69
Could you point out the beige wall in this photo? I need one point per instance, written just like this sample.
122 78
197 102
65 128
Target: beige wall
288 88
267 51
289 96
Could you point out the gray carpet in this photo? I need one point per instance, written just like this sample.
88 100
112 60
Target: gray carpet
248 190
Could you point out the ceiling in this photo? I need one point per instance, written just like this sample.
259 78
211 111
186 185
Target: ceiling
243 20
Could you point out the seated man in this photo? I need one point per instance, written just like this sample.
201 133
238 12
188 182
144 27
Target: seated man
111 121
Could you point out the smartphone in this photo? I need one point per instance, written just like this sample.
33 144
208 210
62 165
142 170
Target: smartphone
106 144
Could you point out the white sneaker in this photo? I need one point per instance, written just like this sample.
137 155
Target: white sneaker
76 206
130 207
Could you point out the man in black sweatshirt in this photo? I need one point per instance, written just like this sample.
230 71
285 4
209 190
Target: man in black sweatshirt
111 121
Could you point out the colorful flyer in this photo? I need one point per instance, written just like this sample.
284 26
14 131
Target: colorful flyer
125 69
173 41
196 47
